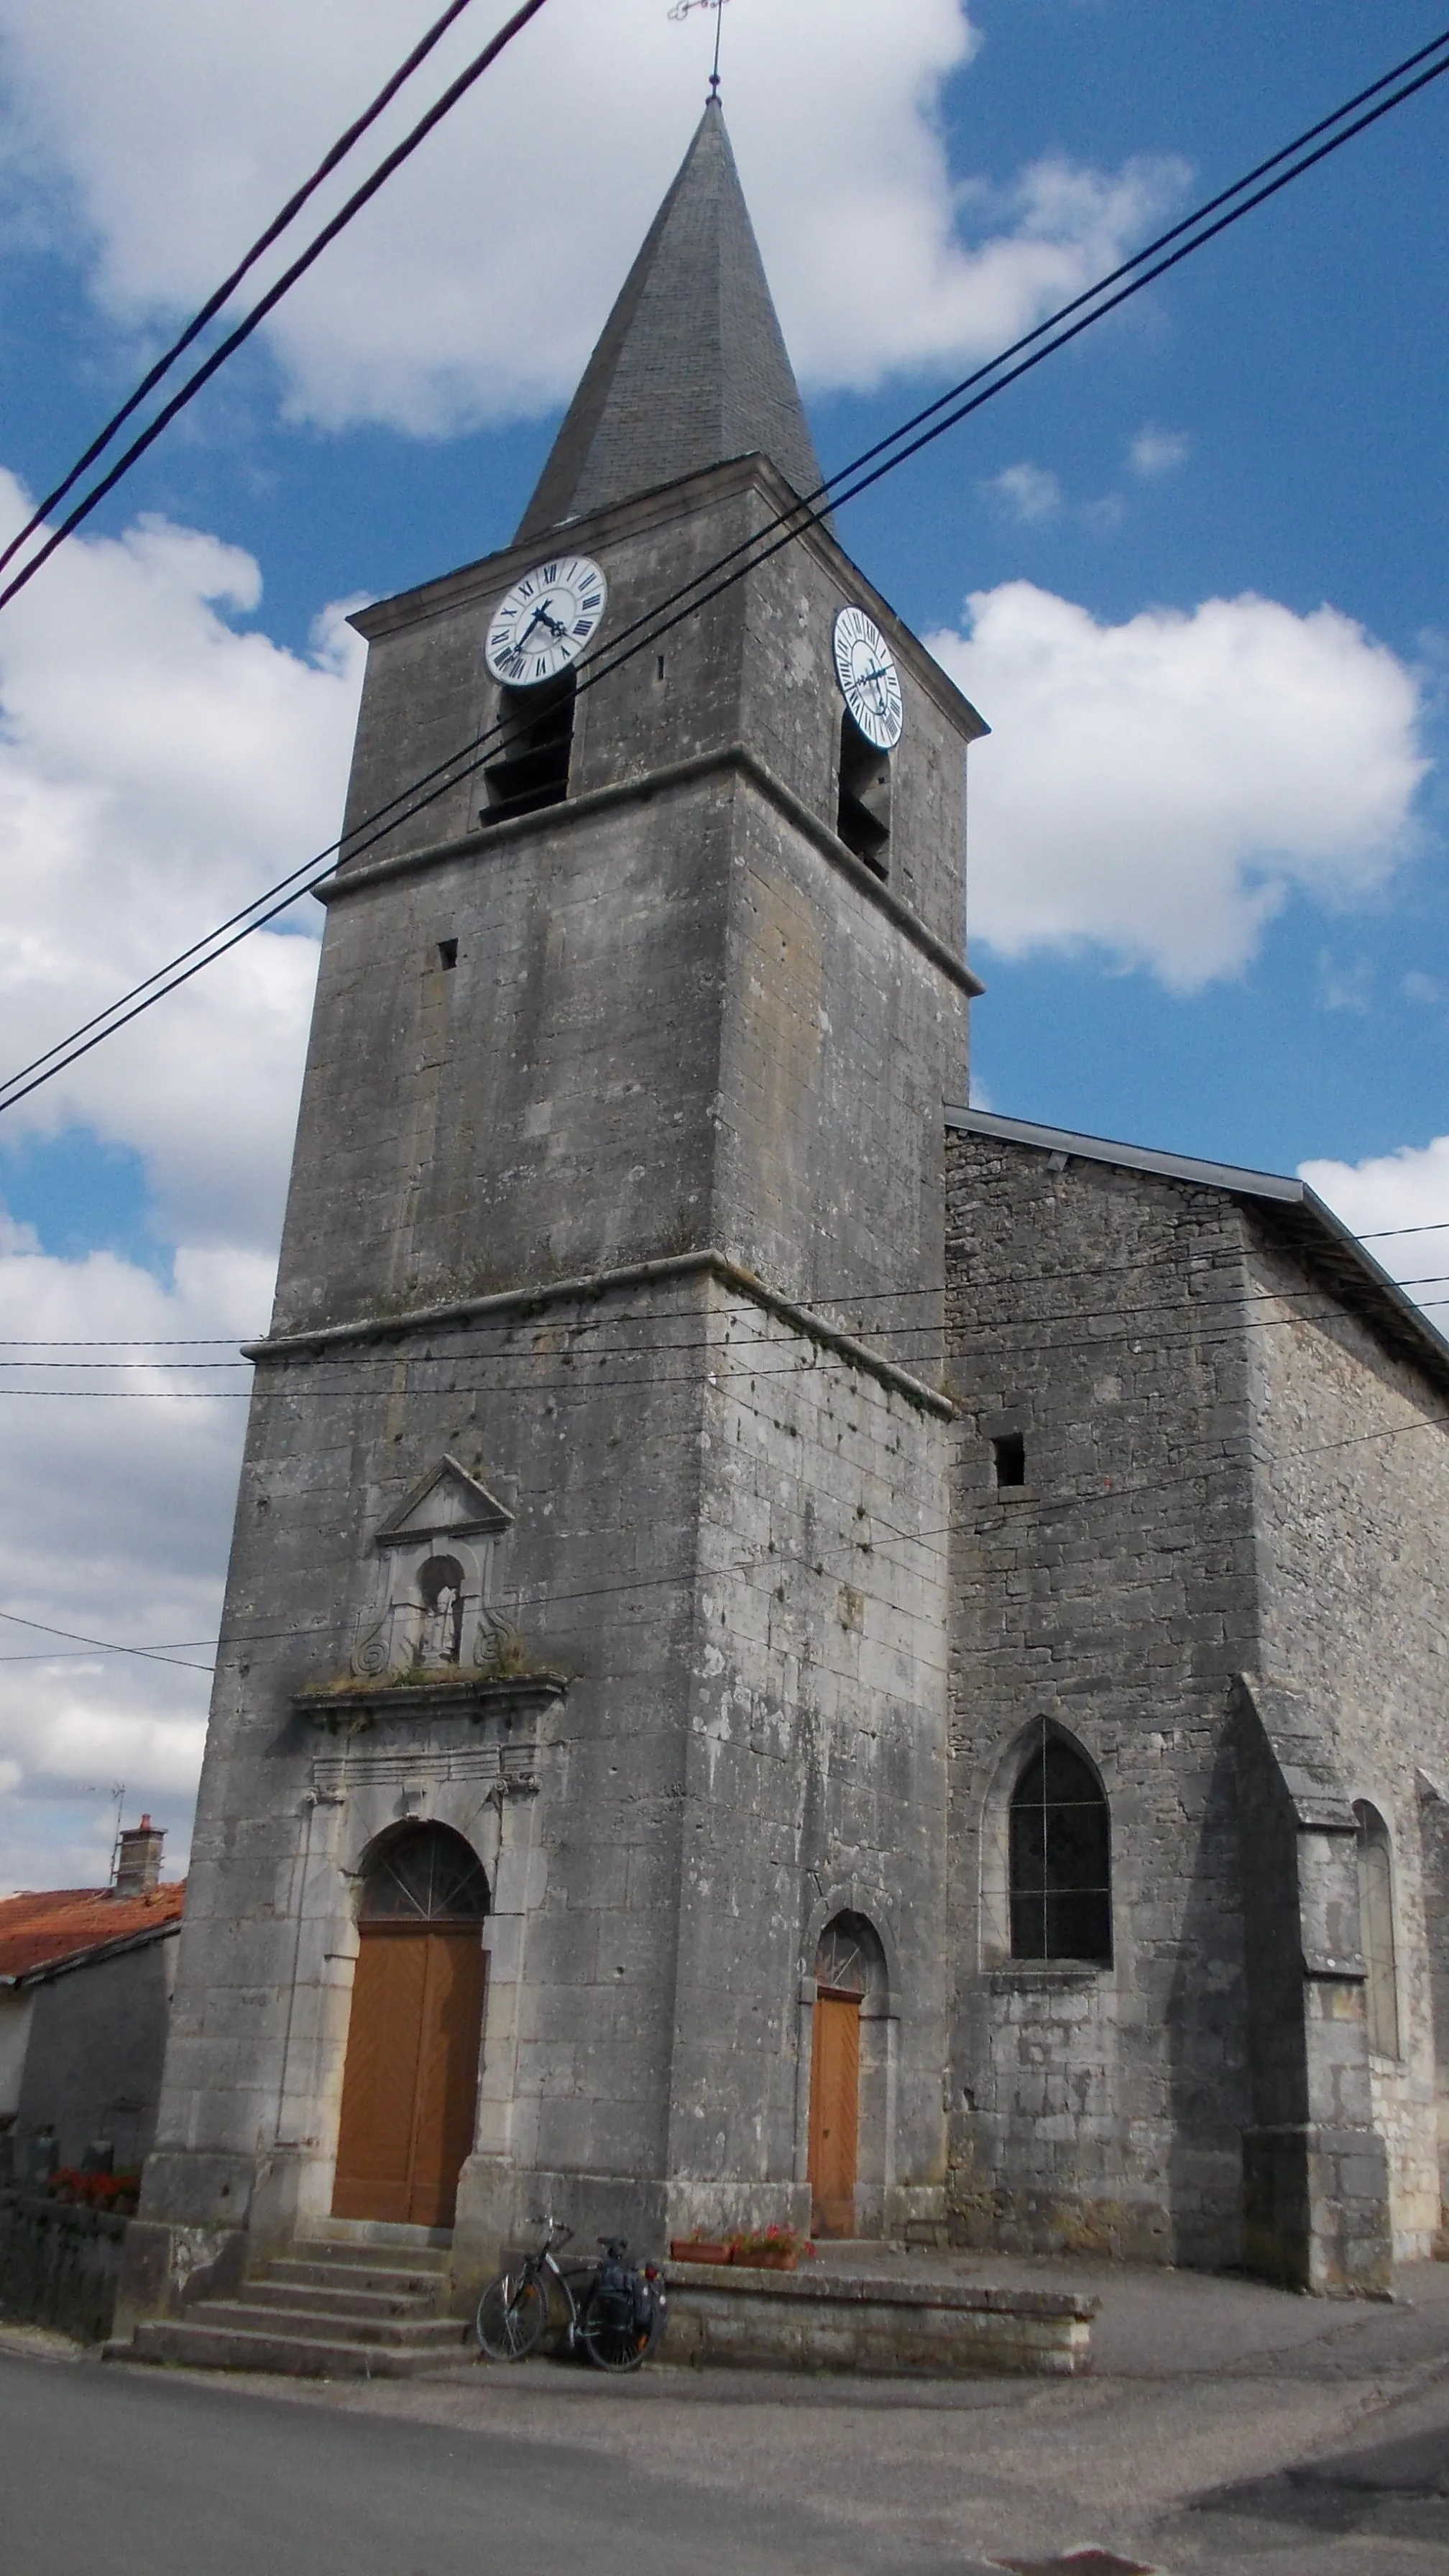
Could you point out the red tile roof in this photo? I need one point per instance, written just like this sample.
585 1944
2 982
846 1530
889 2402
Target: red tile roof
67 1922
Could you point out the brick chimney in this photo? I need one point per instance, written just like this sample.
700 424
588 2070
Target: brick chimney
138 1860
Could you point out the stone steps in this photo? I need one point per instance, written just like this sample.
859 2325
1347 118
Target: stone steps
313 2299
194 2344
418 2332
328 2310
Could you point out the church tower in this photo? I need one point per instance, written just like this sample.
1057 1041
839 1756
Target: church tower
572 1827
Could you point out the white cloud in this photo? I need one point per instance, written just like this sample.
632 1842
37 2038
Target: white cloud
1029 490
173 132
157 769
1158 451
1159 787
114 1514
1393 1197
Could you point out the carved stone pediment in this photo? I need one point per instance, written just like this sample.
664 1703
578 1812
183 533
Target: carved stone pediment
449 1503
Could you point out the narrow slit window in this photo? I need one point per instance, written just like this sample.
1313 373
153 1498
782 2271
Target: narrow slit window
1376 1928
531 768
447 954
1008 1459
1061 1859
864 819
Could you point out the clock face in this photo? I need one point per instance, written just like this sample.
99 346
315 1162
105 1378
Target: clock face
546 620
869 681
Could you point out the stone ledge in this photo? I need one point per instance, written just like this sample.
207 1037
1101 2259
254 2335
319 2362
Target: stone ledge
813 2320
355 1705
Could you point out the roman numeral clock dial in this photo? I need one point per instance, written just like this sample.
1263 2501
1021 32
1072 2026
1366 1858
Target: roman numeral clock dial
545 621
869 681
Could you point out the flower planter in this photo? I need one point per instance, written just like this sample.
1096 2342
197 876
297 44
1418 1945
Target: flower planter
766 2258
692 2249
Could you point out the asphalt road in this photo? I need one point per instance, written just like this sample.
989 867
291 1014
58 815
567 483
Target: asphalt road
1226 2430
125 2472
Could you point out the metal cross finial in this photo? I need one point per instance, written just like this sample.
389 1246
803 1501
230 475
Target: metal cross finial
683 9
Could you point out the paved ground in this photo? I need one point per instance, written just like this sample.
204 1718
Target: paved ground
1227 2430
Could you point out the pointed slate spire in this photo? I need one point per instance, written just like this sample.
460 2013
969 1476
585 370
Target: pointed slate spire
690 367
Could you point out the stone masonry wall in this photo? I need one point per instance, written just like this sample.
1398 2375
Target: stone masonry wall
585 1423
816 1776
1352 1498
1094 1311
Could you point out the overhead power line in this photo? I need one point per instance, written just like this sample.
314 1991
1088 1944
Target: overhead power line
771 1559
662 1344
268 303
228 287
1170 248
152 1654
817 1296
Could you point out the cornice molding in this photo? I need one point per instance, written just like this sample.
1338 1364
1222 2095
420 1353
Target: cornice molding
281 1347
733 758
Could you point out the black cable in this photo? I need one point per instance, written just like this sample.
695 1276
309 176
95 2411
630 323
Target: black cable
774 1557
357 1354
814 1297
274 294
796 520
229 285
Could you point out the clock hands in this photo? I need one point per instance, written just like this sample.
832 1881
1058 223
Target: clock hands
540 617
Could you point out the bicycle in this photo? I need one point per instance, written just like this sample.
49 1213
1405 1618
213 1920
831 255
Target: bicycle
615 2315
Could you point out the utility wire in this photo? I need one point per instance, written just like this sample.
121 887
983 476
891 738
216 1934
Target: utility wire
976 1286
800 516
229 285
772 1558
267 303
152 1654
1179 1337
815 1296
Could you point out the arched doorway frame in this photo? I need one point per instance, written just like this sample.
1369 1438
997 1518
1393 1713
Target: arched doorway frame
351 1819
880 2051
408 2099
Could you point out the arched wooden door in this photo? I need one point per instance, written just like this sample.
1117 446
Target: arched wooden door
410 2085
847 1966
834 2113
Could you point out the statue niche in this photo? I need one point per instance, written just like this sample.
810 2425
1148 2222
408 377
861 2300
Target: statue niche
435 1607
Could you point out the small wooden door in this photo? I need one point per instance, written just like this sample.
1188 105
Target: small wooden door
410 2085
834 2112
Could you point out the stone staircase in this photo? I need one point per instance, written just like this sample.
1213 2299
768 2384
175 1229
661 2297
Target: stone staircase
327 2310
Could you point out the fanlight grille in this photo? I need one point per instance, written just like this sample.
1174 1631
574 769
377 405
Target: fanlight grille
425 1875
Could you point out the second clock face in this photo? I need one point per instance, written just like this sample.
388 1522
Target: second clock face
545 621
869 681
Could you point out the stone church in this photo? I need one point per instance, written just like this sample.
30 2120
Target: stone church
795 1651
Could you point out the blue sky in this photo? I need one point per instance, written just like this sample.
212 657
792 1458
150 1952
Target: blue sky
1226 935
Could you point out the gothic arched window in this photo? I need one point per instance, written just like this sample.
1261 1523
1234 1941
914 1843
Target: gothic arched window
425 1874
1376 1927
1060 1858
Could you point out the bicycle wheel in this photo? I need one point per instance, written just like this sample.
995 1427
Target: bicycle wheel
512 2316
610 2335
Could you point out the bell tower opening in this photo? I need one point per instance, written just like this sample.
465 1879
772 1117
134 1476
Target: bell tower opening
531 767
864 820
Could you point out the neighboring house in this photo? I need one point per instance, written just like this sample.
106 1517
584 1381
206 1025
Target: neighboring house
86 1977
